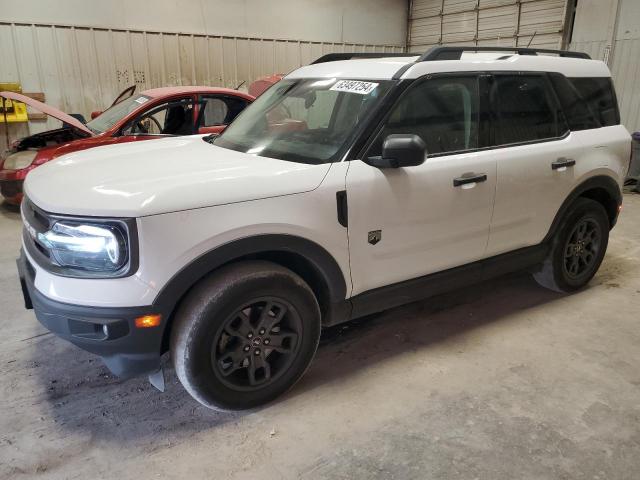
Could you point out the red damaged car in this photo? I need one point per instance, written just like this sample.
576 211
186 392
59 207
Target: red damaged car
151 114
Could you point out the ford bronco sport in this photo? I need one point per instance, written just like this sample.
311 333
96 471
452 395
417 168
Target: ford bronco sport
352 186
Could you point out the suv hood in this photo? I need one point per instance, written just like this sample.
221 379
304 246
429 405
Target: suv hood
166 175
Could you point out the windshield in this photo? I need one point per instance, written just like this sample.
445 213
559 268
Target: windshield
307 121
113 115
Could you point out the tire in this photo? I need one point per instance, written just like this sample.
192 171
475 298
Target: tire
581 239
244 335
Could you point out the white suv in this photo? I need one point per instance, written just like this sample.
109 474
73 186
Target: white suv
352 186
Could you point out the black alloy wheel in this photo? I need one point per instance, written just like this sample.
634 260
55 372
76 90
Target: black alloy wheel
582 248
245 334
256 343
577 247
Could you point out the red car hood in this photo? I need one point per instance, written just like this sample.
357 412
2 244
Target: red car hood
49 110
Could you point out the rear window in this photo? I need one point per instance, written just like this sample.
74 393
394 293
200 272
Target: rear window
599 94
576 109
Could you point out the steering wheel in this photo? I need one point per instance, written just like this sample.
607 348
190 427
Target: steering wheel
157 123
141 127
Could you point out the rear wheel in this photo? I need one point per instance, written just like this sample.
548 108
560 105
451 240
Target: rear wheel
577 249
245 335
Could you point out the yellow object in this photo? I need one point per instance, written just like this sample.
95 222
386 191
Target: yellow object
147 321
15 111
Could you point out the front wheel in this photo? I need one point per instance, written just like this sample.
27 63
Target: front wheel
578 248
245 335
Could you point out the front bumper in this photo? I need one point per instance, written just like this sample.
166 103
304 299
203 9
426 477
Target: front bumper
108 332
11 190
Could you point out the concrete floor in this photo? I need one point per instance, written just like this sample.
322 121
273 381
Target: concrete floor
500 381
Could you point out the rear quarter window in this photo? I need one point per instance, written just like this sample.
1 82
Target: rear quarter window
576 110
600 95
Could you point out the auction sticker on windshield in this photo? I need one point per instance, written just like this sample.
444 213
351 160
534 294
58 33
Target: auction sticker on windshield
354 86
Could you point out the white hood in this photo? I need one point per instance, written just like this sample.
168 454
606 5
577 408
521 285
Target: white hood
159 176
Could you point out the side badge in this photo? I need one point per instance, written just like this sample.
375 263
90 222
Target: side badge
375 236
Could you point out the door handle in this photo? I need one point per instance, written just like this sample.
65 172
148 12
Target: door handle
562 162
470 178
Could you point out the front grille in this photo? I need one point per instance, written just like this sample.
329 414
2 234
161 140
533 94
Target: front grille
10 188
35 217
35 221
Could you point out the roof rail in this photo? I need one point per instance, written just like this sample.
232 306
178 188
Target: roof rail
333 57
454 53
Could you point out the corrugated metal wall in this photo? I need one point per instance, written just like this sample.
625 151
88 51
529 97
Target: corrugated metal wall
83 69
486 22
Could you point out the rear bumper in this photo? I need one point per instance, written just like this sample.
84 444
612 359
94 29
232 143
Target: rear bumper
108 332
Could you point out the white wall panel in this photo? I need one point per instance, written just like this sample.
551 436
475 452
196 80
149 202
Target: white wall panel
355 21
83 69
81 54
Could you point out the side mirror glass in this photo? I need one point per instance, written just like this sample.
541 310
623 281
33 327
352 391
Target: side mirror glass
400 150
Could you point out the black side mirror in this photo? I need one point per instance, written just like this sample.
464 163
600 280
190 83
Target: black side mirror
400 150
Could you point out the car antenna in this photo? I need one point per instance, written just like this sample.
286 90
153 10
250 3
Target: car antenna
241 83
532 37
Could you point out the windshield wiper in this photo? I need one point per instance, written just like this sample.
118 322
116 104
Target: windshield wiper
211 138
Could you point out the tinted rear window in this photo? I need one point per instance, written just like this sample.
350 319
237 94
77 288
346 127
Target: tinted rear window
599 94
576 109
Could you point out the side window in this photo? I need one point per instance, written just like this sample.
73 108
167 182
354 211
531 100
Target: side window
172 118
220 110
525 109
442 111
576 109
599 94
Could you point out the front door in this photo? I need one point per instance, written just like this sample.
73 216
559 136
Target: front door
175 117
408 222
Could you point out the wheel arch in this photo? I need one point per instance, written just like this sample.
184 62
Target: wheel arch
603 189
306 258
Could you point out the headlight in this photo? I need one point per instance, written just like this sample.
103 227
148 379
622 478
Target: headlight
85 246
19 160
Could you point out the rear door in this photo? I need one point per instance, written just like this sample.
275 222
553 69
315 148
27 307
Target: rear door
538 159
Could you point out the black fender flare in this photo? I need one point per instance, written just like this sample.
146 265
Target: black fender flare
598 182
321 260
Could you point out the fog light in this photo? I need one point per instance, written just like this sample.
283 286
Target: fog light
148 321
